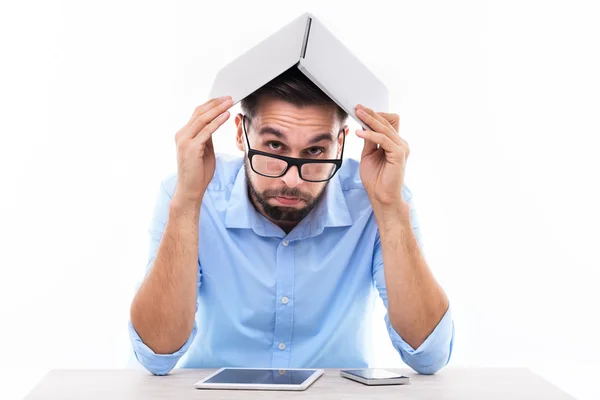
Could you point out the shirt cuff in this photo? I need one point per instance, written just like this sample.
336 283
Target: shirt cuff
434 353
157 364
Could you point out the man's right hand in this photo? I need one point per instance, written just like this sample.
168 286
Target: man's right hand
195 152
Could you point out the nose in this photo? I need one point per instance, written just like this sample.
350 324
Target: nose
292 177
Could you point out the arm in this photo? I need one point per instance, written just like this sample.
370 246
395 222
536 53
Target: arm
416 302
155 361
163 310
435 350
418 319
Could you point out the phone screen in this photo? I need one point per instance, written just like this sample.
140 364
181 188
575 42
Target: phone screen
374 373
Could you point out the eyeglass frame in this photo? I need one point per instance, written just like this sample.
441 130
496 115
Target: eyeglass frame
292 161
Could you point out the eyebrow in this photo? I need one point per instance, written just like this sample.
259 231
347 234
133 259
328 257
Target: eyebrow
277 133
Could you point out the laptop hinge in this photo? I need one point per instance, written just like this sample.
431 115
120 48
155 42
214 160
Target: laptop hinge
306 34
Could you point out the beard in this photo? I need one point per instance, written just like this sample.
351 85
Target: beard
282 213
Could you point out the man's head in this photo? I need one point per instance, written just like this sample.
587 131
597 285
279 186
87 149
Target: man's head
289 116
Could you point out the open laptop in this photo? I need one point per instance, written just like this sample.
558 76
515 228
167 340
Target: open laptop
305 44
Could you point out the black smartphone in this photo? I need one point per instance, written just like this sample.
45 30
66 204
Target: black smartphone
374 376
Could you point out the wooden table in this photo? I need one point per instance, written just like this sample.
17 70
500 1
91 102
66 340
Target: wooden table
450 383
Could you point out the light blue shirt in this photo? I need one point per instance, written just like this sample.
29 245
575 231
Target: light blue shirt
296 300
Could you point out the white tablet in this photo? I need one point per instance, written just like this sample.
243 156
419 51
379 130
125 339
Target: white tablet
260 379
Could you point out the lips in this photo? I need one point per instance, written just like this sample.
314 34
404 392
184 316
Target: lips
288 201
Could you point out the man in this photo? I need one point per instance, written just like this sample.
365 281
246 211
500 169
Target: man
271 260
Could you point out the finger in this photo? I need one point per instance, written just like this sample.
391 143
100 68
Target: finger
206 133
185 130
377 123
206 118
379 138
393 119
368 147
377 115
207 106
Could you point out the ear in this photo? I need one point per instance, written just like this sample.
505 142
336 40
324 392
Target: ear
343 136
239 137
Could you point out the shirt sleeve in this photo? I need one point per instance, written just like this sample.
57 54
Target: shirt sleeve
159 364
434 353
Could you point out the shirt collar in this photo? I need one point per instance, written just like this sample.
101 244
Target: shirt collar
331 211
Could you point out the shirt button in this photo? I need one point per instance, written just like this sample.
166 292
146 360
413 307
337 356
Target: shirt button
281 346
285 243
284 300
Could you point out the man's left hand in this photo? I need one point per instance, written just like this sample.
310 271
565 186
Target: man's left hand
384 157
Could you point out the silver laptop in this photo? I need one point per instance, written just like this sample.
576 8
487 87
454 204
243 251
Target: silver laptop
306 44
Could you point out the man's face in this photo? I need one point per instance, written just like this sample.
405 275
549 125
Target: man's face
281 128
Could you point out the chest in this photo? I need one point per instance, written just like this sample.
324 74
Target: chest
255 278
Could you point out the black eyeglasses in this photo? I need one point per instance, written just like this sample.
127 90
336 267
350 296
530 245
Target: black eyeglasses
275 166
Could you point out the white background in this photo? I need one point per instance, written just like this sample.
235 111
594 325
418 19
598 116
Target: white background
499 102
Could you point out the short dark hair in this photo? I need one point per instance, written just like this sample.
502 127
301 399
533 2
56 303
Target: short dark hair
294 87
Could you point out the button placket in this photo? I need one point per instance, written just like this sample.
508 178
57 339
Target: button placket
283 308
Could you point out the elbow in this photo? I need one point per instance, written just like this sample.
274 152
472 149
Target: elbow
156 365
161 339
160 371
166 345
429 361
429 369
154 362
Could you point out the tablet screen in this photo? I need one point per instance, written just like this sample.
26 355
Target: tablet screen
262 376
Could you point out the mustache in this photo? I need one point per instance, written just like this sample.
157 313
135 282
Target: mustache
288 192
